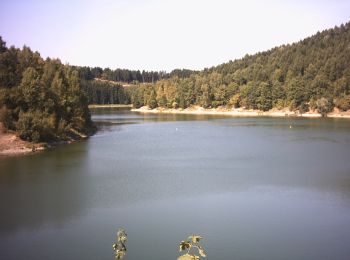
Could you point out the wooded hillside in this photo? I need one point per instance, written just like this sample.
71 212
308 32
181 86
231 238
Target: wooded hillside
41 99
311 74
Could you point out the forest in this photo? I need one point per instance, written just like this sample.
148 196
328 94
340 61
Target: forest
312 74
41 100
106 86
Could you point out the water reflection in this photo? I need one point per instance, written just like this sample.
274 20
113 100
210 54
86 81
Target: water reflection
43 189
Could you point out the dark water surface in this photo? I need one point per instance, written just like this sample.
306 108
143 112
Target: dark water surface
254 188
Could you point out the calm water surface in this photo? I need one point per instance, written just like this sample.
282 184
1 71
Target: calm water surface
254 188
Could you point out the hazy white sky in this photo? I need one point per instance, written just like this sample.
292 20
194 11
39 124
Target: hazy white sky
162 35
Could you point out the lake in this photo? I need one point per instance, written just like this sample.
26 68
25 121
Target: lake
254 188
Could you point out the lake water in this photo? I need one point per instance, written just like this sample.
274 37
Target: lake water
254 188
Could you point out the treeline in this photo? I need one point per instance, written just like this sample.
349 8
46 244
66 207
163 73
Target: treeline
129 76
104 86
41 99
120 75
105 92
311 74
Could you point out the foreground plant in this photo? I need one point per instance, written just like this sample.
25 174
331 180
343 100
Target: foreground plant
120 248
191 243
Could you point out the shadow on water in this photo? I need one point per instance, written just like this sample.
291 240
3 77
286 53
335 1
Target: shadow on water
47 188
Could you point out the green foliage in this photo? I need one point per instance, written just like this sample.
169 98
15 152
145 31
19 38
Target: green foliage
120 75
30 88
41 100
6 117
2 45
324 106
105 92
191 243
119 247
152 101
129 76
122 86
343 103
36 126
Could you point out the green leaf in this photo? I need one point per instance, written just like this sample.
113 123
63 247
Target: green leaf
184 245
119 248
121 235
119 254
122 239
195 238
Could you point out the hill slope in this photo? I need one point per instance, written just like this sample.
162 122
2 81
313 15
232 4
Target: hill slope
311 74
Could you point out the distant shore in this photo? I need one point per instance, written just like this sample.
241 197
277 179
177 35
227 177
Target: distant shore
110 106
239 112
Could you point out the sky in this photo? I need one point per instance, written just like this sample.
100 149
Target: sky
162 34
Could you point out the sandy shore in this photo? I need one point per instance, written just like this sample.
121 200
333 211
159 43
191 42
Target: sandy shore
239 112
10 144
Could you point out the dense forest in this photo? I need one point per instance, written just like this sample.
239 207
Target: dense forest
41 99
105 92
129 76
120 75
106 86
311 74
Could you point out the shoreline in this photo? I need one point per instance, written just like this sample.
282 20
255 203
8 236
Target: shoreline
239 112
110 106
12 145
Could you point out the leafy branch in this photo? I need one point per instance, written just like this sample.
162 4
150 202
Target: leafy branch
119 247
191 243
